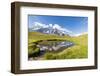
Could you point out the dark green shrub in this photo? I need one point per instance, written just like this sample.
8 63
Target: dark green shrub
35 53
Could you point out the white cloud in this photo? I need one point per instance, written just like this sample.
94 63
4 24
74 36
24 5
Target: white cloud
56 26
50 25
81 34
40 24
37 25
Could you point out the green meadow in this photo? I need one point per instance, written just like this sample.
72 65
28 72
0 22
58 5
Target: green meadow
78 51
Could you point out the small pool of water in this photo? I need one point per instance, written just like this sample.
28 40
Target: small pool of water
54 45
51 46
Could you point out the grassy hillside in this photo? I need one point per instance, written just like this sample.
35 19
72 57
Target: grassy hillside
36 36
79 50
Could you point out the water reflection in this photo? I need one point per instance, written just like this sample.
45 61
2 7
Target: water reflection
53 45
41 47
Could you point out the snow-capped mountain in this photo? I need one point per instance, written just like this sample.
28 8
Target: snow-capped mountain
50 29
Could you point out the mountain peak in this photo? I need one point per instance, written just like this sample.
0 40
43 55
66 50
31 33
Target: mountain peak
50 29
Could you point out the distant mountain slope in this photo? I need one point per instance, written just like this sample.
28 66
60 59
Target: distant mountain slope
50 29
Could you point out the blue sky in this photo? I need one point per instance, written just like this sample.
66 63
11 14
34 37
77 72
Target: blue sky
75 24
